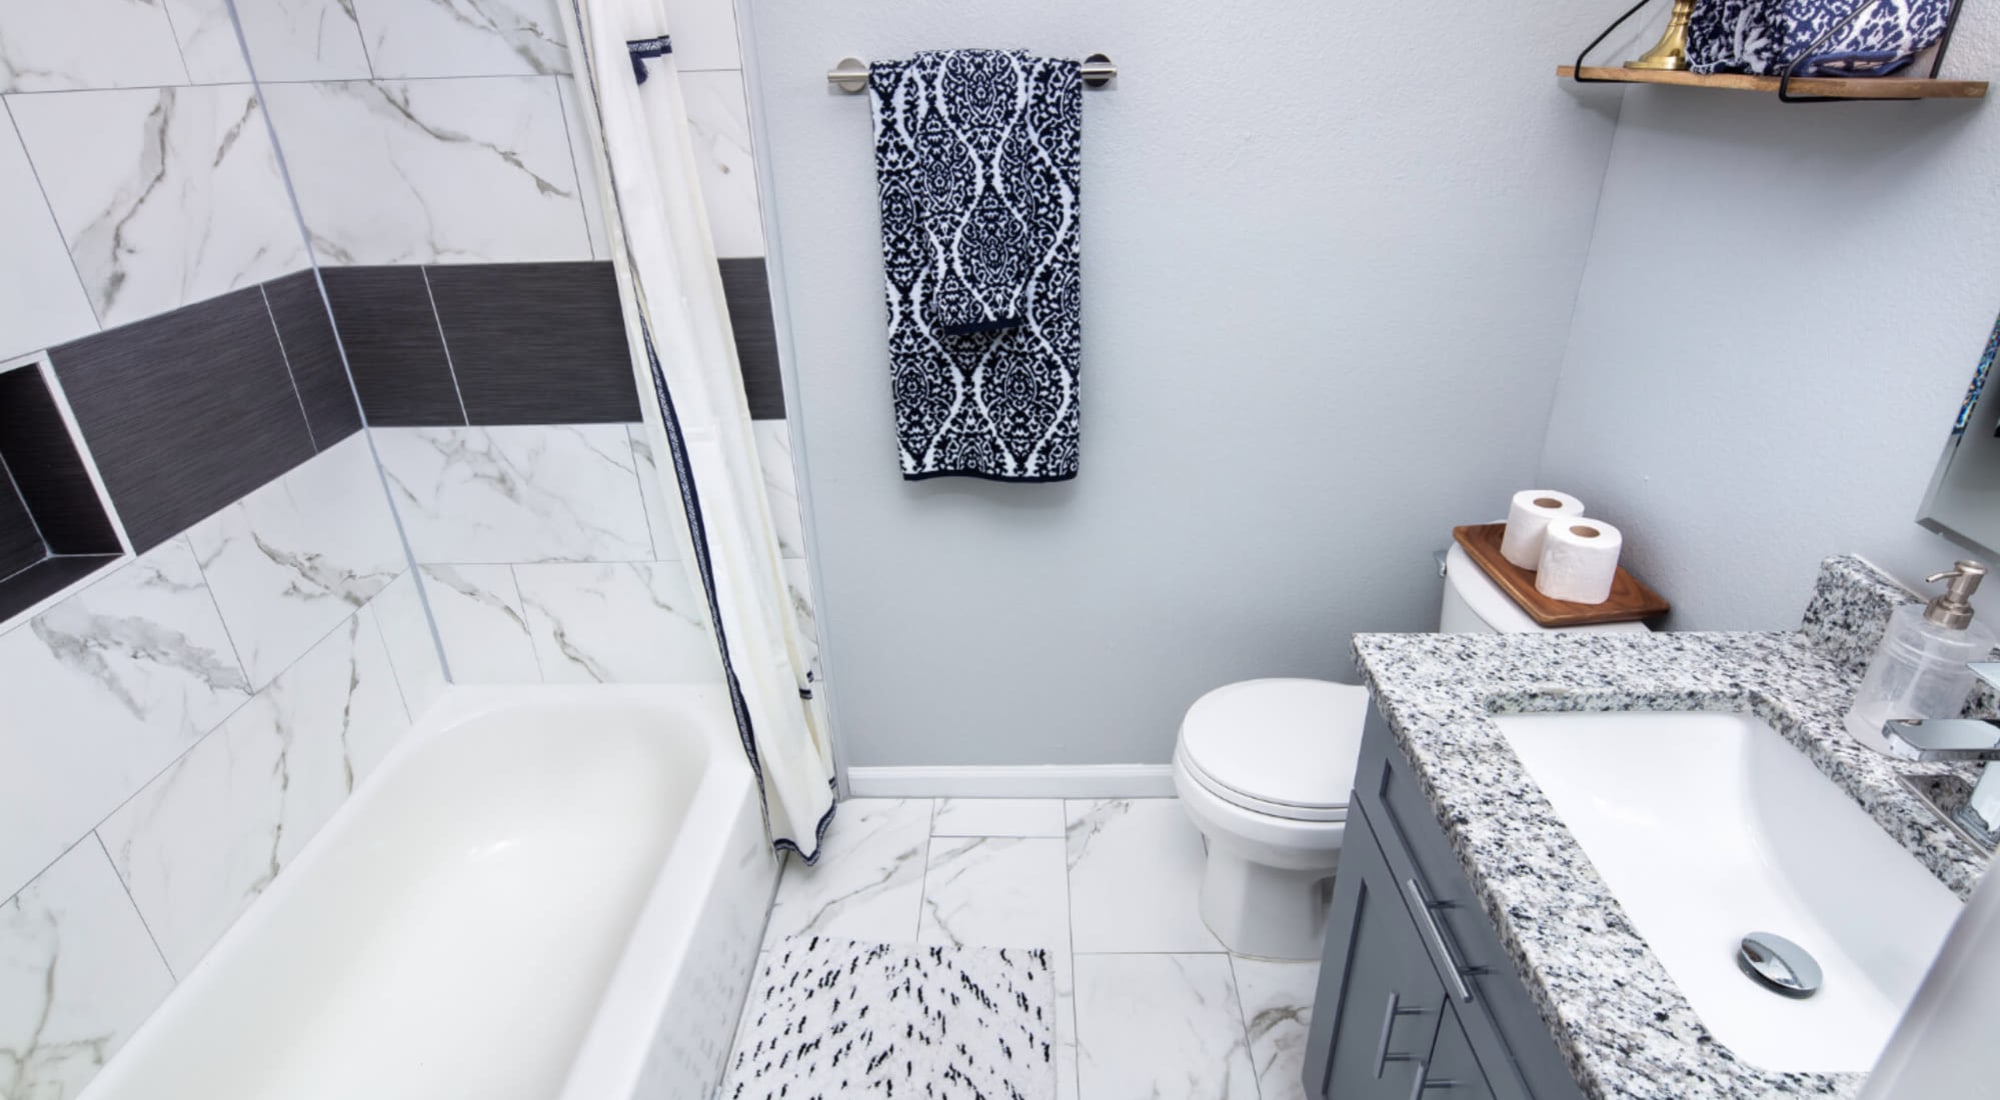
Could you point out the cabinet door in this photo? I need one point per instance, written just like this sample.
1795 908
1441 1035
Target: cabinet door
1376 1011
1452 1072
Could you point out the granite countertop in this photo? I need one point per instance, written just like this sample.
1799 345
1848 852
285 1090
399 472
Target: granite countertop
1618 1018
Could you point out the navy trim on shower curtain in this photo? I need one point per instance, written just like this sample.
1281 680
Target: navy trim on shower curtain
698 531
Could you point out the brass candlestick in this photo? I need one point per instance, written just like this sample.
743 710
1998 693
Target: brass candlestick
1670 52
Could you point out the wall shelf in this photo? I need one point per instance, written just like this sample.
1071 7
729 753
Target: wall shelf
1836 87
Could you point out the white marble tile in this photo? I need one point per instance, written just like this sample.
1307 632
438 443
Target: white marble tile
165 196
588 188
432 171
781 489
463 37
618 623
994 891
78 974
86 44
479 616
665 518
704 34
999 817
798 584
199 843
298 555
288 39
1277 1002
719 124
102 691
42 302
1160 1025
517 494
869 882
406 632
1135 877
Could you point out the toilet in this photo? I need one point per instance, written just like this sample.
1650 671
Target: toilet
1265 769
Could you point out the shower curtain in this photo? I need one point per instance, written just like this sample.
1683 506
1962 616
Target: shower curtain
685 356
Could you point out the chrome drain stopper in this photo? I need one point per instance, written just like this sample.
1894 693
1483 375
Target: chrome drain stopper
1779 965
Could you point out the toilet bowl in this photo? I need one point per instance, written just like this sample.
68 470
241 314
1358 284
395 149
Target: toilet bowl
1265 768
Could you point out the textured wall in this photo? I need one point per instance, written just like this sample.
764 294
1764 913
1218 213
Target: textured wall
1781 311
1323 310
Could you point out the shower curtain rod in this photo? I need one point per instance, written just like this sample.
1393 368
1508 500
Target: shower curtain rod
851 74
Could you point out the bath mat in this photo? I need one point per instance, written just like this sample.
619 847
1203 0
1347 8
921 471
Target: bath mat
834 1018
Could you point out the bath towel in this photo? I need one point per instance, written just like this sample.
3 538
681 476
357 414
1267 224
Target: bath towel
977 158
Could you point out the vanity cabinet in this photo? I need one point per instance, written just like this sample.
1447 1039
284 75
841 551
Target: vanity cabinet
1416 996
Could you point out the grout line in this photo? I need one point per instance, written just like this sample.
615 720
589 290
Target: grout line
576 170
311 436
1243 1019
180 51
82 287
443 342
136 911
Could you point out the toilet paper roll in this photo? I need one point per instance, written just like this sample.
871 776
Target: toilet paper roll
1579 560
1533 510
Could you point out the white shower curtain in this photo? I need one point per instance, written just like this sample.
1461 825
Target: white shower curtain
699 424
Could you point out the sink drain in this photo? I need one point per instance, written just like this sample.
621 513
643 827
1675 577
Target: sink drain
1778 964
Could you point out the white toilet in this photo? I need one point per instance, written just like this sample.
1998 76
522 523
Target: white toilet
1266 767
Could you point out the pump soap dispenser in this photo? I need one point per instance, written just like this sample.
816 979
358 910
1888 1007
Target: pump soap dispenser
1919 670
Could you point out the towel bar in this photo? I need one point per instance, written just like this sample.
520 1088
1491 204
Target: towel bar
851 74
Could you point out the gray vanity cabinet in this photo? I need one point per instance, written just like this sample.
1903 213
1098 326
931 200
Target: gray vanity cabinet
1416 997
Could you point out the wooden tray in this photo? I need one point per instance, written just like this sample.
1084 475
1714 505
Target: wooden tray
1630 601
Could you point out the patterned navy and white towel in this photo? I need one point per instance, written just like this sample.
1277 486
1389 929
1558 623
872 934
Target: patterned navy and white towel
977 155
831 1018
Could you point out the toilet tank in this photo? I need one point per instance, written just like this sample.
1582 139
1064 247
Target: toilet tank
1473 604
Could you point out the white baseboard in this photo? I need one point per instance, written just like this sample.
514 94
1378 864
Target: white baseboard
1030 781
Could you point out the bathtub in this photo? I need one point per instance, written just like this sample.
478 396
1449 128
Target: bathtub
544 893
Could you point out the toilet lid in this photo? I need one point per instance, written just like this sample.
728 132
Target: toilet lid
1284 746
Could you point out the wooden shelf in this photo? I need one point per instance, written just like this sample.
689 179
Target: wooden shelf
1885 87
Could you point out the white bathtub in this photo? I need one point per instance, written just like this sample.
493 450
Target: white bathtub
543 894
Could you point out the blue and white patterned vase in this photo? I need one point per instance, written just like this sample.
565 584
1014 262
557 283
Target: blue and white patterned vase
1764 36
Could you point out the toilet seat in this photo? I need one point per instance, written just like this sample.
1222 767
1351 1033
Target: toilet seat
1286 748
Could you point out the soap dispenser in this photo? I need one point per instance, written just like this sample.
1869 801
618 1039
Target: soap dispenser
1919 670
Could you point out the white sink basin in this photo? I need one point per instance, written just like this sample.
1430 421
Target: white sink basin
1711 826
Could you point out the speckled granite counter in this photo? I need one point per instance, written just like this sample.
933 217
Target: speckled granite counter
1621 1022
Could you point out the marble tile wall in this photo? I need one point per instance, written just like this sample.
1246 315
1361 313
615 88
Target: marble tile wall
174 733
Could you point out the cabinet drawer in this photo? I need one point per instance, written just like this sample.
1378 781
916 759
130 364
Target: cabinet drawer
1505 1030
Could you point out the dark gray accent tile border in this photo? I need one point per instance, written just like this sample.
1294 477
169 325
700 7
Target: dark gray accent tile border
536 343
185 412
746 284
393 347
54 485
305 335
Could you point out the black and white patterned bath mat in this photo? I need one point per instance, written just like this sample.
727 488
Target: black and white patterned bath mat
833 1018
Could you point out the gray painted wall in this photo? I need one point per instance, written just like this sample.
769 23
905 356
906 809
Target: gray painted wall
1782 308
1325 305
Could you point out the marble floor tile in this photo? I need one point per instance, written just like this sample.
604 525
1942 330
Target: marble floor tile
413 654
202 841
1160 1025
175 198
999 817
86 44
618 623
102 691
995 891
429 38
478 613
1277 1002
869 882
774 454
719 123
1135 877
516 494
298 555
78 974
42 302
464 170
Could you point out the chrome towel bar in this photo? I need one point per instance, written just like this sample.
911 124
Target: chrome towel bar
851 74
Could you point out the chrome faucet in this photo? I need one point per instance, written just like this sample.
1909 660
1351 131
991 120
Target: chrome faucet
1977 740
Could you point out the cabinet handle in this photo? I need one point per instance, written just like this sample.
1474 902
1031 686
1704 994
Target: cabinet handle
1436 939
1382 1055
1424 1081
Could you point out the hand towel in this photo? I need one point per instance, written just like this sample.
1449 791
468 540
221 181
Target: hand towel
977 158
